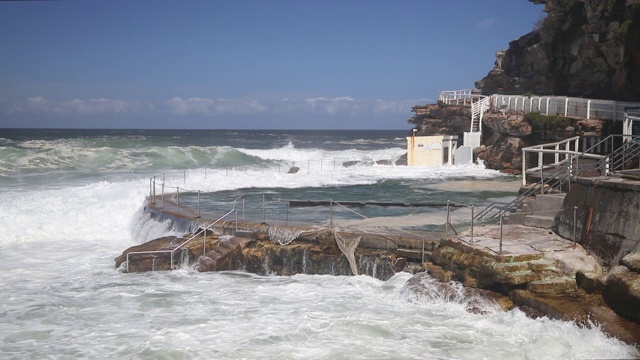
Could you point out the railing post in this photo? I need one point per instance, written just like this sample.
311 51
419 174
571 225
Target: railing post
150 189
178 198
575 224
154 189
524 167
540 159
566 106
446 226
501 223
423 249
471 224
331 214
263 216
204 241
198 203
556 156
548 100
541 181
162 194
588 109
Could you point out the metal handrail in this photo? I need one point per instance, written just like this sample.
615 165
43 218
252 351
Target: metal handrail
171 251
605 165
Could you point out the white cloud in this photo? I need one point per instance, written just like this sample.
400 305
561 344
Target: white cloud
181 106
205 106
38 104
322 106
485 24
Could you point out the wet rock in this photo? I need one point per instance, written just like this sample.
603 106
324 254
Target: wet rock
590 282
439 273
350 163
157 253
225 256
632 261
425 286
293 170
622 292
553 287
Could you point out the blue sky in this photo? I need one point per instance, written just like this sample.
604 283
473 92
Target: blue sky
280 64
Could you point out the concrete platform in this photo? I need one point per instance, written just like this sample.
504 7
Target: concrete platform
524 243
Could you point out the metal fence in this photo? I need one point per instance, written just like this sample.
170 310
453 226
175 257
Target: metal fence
548 105
564 106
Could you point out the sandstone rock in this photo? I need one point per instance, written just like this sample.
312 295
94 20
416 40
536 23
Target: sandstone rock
554 287
632 261
590 282
438 272
509 124
506 155
622 292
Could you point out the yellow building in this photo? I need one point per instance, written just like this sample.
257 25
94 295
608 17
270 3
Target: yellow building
431 150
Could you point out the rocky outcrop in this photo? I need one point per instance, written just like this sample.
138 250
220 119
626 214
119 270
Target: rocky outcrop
311 252
582 48
439 119
622 291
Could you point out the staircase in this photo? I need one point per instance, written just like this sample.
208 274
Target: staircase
556 177
477 111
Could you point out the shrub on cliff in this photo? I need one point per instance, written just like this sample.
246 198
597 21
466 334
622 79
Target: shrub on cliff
548 127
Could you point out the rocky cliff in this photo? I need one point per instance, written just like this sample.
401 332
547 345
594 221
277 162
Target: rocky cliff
582 48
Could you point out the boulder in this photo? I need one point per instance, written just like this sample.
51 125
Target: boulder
632 261
622 292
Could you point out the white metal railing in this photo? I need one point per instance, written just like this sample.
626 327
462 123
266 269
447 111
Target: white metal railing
548 105
627 126
566 148
455 97
564 106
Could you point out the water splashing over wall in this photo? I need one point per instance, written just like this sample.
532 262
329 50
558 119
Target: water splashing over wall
283 236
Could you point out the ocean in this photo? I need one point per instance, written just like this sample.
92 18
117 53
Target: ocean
72 200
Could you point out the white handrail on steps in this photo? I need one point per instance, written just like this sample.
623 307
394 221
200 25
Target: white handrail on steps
564 147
